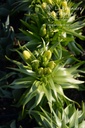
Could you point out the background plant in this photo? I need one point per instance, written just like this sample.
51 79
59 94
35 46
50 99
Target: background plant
53 28
68 117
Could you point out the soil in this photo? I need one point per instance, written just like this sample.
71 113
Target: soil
9 113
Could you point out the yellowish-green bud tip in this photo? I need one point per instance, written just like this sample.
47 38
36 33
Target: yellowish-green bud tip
64 4
53 14
44 5
26 54
49 1
48 54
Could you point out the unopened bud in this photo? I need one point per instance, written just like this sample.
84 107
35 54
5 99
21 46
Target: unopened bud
47 70
53 14
35 64
49 1
51 64
26 54
40 71
64 4
48 54
44 5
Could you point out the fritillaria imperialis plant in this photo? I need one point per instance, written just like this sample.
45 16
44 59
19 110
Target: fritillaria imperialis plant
43 78
46 68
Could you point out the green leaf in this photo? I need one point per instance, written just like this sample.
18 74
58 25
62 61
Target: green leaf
30 34
32 42
26 98
13 124
53 87
39 95
47 118
77 25
48 94
82 124
31 27
72 32
22 83
6 76
73 122
57 120
82 113
73 47
69 110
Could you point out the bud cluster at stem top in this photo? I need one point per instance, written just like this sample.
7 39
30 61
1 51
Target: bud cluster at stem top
42 63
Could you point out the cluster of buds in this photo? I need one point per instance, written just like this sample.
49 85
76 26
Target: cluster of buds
43 64
46 64
65 10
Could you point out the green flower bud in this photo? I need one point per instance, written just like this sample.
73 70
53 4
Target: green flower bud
35 64
44 5
26 54
51 64
48 54
64 4
49 1
44 64
53 14
43 30
47 71
40 71
44 59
